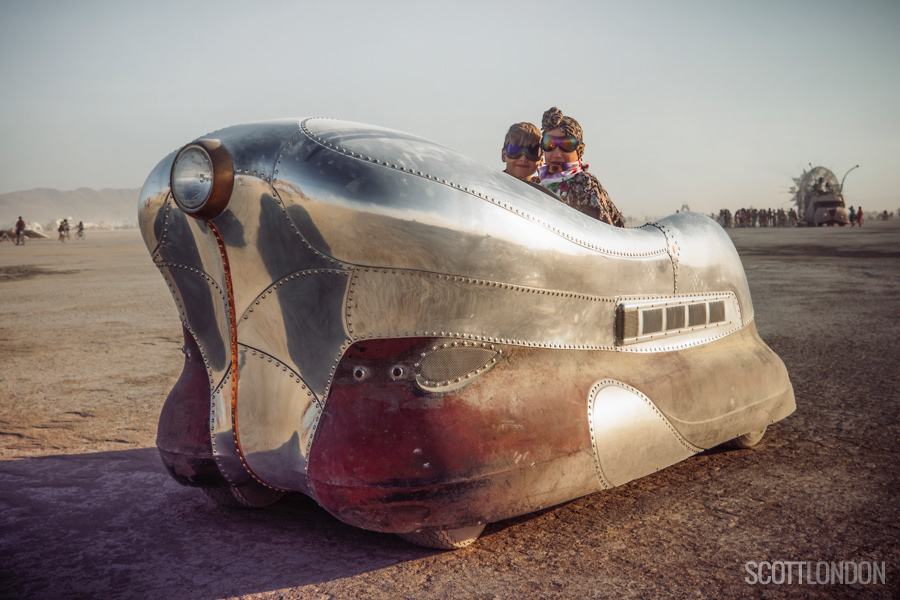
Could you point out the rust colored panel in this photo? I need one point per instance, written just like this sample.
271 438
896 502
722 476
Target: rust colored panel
183 434
392 457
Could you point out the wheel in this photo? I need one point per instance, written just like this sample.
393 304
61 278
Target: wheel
245 496
748 440
447 539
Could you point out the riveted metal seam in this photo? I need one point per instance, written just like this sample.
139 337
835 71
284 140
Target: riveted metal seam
463 335
298 377
601 477
291 276
167 205
607 382
275 171
521 213
672 248
234 354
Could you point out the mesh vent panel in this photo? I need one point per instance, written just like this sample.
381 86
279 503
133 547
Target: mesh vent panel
447 364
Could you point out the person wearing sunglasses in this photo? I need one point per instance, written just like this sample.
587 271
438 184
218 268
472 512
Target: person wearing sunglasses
566 174
521 151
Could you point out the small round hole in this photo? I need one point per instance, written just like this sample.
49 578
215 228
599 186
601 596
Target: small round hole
397 372
359 373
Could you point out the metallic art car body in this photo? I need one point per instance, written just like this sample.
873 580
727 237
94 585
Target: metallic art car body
419 342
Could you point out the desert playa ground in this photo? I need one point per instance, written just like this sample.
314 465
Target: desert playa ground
90 346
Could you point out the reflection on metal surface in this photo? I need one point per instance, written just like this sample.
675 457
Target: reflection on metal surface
401 303
415 340
274 435
618 415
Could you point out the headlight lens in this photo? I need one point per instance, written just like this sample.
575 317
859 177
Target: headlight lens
202 179
192 178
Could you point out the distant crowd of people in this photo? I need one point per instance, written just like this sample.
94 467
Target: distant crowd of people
767 217
752 217
63 229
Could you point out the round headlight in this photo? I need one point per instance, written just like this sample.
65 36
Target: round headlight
192 178
202 178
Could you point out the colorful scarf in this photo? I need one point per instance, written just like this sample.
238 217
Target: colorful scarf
555 177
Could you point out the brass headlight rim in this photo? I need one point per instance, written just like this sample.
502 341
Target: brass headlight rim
223 179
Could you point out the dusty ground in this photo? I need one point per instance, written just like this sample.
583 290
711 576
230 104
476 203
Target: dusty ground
89 347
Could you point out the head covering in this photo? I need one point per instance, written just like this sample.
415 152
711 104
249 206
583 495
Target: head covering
554 118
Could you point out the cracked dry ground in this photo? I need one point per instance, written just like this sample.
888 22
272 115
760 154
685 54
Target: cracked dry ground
89 347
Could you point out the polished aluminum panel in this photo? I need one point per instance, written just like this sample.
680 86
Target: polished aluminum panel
705 259
299 321
402 303
151 200
711 392
189 258
263 245
254 147
338 232
225 445
619 415
382 198
276 419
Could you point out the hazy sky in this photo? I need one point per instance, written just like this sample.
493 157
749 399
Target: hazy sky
706 103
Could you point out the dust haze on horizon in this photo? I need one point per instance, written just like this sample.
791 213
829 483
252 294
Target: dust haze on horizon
714 105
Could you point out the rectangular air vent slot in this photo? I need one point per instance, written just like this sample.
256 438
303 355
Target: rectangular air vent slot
717 311
650 319
697 314
674 318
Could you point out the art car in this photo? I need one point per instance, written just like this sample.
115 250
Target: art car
820 198
423 344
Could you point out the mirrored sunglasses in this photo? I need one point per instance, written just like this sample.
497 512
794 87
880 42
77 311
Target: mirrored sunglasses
567 143
515 151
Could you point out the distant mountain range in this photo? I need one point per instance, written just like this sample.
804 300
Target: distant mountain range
44 206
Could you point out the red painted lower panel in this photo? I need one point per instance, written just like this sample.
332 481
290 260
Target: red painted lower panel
183 436
389 456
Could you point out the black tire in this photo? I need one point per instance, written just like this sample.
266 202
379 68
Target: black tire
748 440
247 496
446 539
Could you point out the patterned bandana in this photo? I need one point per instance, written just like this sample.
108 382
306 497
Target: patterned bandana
554 176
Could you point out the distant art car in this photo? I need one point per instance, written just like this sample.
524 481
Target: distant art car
820 198
423 344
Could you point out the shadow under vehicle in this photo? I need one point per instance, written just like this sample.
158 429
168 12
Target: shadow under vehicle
819 197
424 345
